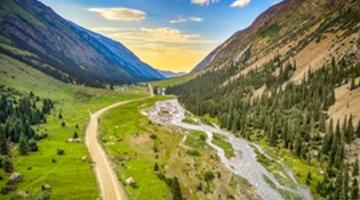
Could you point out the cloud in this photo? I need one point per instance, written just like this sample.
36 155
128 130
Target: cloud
240 3
183 20
203 2
120 13
196 19
162 47
235 4
158 35
178 20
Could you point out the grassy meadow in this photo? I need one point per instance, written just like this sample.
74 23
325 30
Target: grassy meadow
152 154
70 176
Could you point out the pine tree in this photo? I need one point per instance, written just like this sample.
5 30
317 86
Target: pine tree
350 130
23 145
75 135
33 145
338 186
322 124
355 169
308 178
298 145
354 195
339 156
345 185
358 129
156 167
3 142
7 164
352 84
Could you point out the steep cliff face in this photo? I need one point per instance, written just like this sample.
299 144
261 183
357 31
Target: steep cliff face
65 50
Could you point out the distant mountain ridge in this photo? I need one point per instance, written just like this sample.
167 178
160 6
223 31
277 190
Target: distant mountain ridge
36 35
170 74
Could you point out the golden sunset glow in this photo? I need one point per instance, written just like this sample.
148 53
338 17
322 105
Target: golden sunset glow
169 58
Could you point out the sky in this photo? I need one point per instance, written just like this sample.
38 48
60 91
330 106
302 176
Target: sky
172 35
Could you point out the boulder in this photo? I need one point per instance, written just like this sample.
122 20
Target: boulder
45 187
23 193
15 177
130 181
84 158
74 140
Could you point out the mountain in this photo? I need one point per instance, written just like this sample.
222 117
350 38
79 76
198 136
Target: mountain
291 28
170 74
291 82
36 35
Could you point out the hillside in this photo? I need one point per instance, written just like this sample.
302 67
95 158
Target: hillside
45 167
294 29
37 36
290 81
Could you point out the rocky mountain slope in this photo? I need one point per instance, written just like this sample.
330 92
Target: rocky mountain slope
307 33
291 81
36 35
291 28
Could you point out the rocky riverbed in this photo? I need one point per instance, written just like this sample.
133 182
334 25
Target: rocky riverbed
244 163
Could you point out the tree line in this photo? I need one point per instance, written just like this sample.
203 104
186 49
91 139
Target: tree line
288 115
18 114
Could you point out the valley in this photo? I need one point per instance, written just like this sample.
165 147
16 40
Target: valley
74 103
271 113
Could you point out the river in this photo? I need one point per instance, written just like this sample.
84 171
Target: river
244 163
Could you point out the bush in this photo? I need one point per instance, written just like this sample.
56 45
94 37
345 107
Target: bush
193 152
156 167
60 152
209 176
75 135
33 145
200 187
6 189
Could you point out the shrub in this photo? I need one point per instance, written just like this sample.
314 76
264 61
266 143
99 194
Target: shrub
60 152
193 152
156 167
33 145
209 176
152 136
75 135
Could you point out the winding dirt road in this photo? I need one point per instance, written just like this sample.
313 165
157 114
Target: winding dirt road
110 186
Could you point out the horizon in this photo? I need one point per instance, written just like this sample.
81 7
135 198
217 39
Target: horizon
168 35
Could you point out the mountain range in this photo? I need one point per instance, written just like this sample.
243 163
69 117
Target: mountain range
34 34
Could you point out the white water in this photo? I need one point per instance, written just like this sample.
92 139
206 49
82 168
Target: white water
244 163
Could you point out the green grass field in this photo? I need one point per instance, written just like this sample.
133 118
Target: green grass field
137 145
221 142
123 127
70 177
